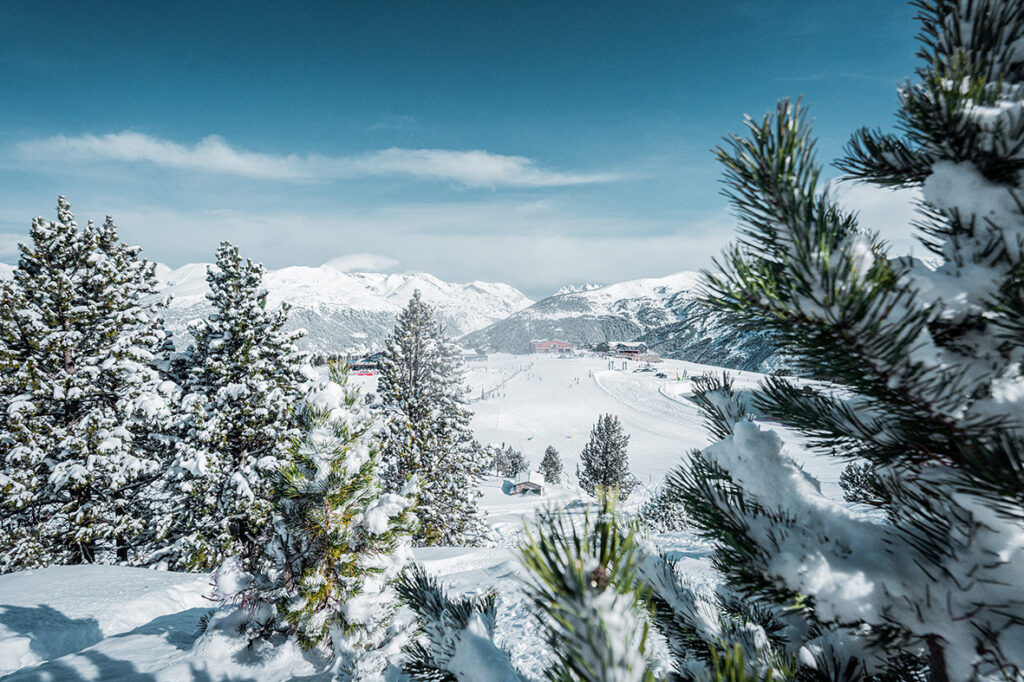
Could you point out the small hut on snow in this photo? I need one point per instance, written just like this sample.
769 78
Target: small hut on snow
530 482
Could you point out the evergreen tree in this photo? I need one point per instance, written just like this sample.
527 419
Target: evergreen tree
241 377
859 485
930 362
662 512
455 636
604 463
427 434
591 607
498 456
516 463
82 403
337 541
551 466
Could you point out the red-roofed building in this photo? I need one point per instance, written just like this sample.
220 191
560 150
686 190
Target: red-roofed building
551 346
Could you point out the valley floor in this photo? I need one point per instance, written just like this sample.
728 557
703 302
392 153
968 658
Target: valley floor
116 623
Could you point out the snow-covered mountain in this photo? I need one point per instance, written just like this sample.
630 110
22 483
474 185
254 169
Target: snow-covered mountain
348 312
663 313
353 312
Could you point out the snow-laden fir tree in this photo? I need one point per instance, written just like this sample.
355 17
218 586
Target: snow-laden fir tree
858 483
516 464
929 359
337 543
498 457
454 639
663 512
82 403
551 466
242 377
505 460
604 464
591 607
598 588
427 433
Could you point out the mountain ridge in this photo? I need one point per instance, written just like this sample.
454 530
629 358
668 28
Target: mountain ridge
665 313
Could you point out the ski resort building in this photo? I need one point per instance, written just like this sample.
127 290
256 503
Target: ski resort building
551 346
628 349
530 482
367 366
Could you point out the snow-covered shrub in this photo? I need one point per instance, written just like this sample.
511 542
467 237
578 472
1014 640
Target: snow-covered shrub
604 464
505 460
551 466
662 512
84 409
427 434
583 579
929 357
859 483
516 464
455 635
242 378
336 544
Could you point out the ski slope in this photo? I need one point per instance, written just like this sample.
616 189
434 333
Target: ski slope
117 623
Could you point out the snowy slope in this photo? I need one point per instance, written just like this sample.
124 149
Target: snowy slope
348 312
114 623
662 312
5 271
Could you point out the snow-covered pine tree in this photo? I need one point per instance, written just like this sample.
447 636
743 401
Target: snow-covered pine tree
516 463
498 457
663 512
427 434
82 403
455 635
591 607
928 356
858 483
604 465
242 377
337 541
551 466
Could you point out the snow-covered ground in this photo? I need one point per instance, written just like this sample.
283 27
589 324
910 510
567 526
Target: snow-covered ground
114 623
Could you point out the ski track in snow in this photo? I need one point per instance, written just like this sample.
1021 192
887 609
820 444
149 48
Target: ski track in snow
110 623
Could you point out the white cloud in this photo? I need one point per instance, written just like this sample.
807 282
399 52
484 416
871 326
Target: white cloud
535 246
9 244
888 212
473 168
362 262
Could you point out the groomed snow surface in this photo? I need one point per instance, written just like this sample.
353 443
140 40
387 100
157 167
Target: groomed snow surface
117 623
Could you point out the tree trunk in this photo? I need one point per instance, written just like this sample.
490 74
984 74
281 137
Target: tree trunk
936 660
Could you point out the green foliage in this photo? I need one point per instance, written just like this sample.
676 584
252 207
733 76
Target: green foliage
337 540
242 378
924 358
604 464
731 666
449 626
590 603
551 466
84 412
427 434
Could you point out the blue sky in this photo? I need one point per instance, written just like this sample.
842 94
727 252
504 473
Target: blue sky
536 143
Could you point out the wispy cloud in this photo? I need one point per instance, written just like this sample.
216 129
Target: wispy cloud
472 168
9 244
362 262
537 247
